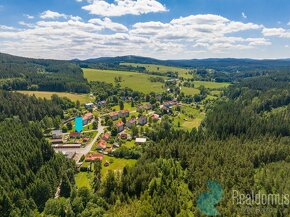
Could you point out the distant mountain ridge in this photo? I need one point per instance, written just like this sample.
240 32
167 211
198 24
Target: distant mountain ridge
200 63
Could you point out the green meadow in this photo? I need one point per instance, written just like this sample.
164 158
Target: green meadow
83 98
136 81
160 68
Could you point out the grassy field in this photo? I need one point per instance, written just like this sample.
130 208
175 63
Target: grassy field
189 90
130 144
163 69
117 165
210 85
83 98
84 179
133 80
189 118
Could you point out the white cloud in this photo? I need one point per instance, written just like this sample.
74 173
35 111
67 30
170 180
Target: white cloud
73 37
108 24
3 27
278 32
22 23
123 7
28 16
52 15
244 15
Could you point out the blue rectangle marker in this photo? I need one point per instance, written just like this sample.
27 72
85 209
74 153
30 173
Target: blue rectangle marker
79 124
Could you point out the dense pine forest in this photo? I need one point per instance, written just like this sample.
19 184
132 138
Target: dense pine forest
30 170
18 73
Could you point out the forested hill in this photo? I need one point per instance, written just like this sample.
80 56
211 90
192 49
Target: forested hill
30 171
18 73
219 64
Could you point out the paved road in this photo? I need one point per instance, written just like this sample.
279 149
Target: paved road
88 147
83 151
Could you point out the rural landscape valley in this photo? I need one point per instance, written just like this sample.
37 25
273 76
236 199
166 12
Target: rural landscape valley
144 108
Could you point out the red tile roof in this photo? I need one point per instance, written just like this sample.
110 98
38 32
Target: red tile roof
114 114
102 144
94 157
106 136
125 111
155 116
119 124
88 116
74 134
132 121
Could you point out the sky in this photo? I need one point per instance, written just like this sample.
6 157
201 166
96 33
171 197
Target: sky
163 29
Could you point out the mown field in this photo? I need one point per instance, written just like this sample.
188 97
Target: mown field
189 118
83 98
210 85
134 80
163 69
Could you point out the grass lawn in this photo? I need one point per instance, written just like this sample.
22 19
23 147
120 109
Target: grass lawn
117 165
190 91
84 179
185 119
163 69
210 85
83 98
136 81
130 144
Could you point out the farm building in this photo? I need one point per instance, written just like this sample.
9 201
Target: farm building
140 140
89 105
56 141
56 134
93 157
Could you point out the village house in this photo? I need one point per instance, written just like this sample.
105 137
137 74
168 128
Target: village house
56 134
131 123
85 140
94 157
106 136
74 135
89 105
124 113
87 117
102 103
146 107
142 120
116 145
140 140
120 126
155 117
102 145
169 104
106 164
124 136
114 116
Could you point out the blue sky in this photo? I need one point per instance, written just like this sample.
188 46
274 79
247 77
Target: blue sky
165 29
